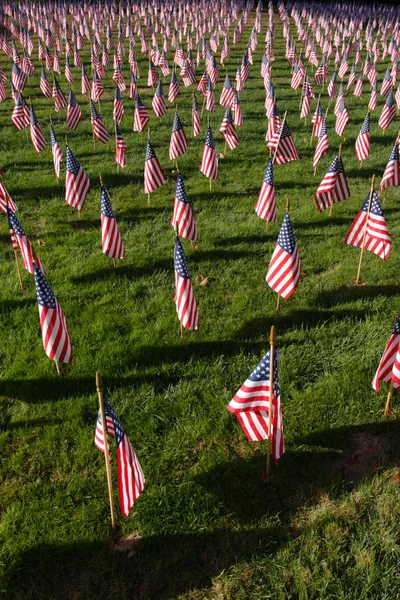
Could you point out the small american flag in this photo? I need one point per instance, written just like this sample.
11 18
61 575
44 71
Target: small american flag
266 203
173 91
386 364
391 176
141 116
228 130
377 238
21 114
284 269
44 84
227 94
342 118
251 406
388 112
56 151
99 130
183 214
195 117
133 88
154 176
386 84
118 108
5 199
178 144
59 98
334 187
130 475
18 77
74 113
322 146
185 302
359 86
120 147
38 141
210 103
68 71
111 240
56 340
362 145
282 143
85 83
158 102
373 101
209 160
237 111
97 88
77 183
332 86
21 241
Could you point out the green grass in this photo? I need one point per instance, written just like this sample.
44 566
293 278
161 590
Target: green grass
210 526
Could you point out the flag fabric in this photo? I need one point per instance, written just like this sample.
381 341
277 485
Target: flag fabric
38 141
228 130
56 151
130 475
118 107
377 238
334 187
6 200
120 147
77 183
99 130
85 83
158 102
373 101
186 306
173 91
342 118
237 111
359 86
389 356
154 176
317 120
178 144
21 113
284 269
322 146
266 204
283 144
18 77
391 176
227 93
55 336
386 84
59 98
362 145
210 104
196 128
97 88
141 116
44 84
251 406
209 160
111 240
183 213
388 112
74 113
20 240
273 123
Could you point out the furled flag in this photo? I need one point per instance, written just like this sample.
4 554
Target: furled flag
21 113
209 160
202 85
99 130
152 75
111 240
173 91
141 116
316 120
44 84
363 140
6 200
332 86
118 108
77 183
342 118
74 113
132 88
183 214
266 203
21 240
388 112
186 306
251 406
120 147
283 145
56 151
284 269
97 88
56 341
154 176
195 117
158 102
386 364
305 106
210 104
18 77
38 141
59 98
178 144
227 93
334 187
237 111
130 474
68 71
322 146
85 83
339 99
391 176
373 101
370 223
386 84
228 130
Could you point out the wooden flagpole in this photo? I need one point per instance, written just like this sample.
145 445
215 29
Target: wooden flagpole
319 102
280 135
365 229
271 393
99 388
387 407
339 157
19 271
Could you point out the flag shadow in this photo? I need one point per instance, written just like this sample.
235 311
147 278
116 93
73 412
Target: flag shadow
344 294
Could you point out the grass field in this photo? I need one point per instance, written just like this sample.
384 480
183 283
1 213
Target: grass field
326 525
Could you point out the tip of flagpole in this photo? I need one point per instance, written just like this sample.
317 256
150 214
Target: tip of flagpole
287 204
99 382
101 179
272 335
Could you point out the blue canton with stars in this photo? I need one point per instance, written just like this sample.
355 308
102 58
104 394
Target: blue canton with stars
180 263
71 99
177 125
396 328
119 430
227 84
375 206
34 120
324 130
286 239
334 166
149 151
52 136
159 90
45 296
105 204
95 114
15 225
366 124
72 164
209 139
180 192
269 173
262 371
395 153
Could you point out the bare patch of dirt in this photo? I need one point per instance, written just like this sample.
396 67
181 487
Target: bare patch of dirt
127 544
365 456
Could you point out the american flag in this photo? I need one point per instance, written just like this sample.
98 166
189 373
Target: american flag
187 74
377 238
44 84
18 77
133 88
173 91
373 101
227 94
178 144
388 112
391 176
97 88
362 145
56 151
359 86
297 77
141 116
316 120
273 123
284 269
158 102
210 104
130 475
99 130
386 364
120 147
20 240
352 77
74 113
372 75
228 130
209 160
339 99
282 143
334 187
342 118
251 406
386 84
183 214
5 199
56 341
21 114
118 78
266 203
152 75
185 302
237 111
85 83
68 71
111 240
397 97
202 85
305 107
59 98
344 67
195 117
322 146
154 176
332 86
77 183
38 141
321 72
118 108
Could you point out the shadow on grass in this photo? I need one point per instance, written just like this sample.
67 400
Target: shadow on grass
29 423
353 293
10 305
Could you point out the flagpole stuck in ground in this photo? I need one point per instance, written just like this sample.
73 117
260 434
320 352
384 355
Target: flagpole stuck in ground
280 135
312 130
271 393
99 388
387 406
339 158
365 230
